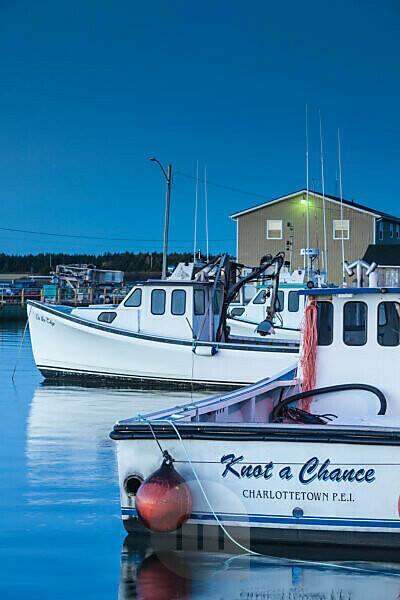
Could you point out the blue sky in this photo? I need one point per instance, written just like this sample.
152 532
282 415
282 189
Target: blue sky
89 90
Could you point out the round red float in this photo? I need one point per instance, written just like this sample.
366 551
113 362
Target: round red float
164 501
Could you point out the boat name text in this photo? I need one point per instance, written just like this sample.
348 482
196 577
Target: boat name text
312 470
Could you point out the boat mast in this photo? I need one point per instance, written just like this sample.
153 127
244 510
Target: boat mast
307 199
195 212
323 198
341 208
206 207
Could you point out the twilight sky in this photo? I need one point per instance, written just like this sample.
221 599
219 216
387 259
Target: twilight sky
89 90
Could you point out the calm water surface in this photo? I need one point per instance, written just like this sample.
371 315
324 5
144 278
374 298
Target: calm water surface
60 530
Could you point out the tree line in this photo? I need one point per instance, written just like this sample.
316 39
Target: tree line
130 262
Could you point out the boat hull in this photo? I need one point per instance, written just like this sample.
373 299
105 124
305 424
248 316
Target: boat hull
278 485
65 346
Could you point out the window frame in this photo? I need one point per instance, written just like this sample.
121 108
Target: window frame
157 314
293 294
332 315
195 292
262 291
267 229
178 314
126 303
380 326
366 323
112 314
340 230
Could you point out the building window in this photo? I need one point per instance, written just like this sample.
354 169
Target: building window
391 230
389 324
355 323
158 302
341 228
380 230
178 302
135 299
397 231
293 302
199 302
325 323
273 230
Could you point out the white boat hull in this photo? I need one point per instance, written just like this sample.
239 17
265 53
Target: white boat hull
67 346
279 487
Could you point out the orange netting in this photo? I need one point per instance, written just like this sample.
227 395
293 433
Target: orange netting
308 358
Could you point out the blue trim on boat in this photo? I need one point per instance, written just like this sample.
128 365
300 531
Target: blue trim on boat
336 291
257 346
287 520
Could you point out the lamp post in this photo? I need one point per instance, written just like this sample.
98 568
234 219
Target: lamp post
168 177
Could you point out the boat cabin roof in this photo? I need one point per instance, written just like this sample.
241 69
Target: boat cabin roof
174 283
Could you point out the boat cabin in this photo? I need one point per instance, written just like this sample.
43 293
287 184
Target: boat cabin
170 308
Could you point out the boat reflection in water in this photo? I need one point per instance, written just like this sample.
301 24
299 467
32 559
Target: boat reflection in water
167 574
68 445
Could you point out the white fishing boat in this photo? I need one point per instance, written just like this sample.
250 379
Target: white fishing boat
311 455
170 331
289 309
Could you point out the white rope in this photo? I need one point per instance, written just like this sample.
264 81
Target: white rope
238 544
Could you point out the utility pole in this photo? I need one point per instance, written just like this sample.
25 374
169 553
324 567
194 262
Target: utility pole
168 178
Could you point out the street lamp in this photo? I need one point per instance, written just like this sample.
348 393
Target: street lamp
168 176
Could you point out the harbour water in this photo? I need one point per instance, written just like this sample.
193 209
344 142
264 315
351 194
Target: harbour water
60 529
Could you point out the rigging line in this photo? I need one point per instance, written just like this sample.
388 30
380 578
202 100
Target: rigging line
224 187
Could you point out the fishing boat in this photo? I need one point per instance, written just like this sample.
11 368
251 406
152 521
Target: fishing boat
244 319
308 456
168 331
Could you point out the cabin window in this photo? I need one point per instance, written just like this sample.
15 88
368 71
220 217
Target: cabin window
397 232
135 299
293 302
199 302
178 302
107 317
273 230
217 302
261 297
341 228
325 323
391 230
380 230
280 301
389 324
355 323
158 302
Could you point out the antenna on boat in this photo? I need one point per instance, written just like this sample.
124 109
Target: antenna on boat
323 197
206 206
341 207
307 199
195 212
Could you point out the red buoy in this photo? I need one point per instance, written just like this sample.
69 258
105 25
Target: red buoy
164 501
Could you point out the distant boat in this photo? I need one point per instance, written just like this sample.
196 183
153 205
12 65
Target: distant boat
170 331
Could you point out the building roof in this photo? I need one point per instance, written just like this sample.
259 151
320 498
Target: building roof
355 205
385 255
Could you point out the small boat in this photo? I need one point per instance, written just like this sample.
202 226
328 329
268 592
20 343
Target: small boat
171 331
308 456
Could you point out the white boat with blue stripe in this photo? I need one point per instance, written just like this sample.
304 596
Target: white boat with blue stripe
310 455
171 331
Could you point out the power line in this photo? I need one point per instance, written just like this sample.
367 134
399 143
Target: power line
224 187
93 237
